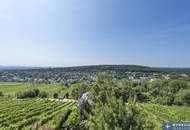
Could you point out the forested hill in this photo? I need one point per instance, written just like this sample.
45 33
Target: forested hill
6 68
175 70
104 68
99 68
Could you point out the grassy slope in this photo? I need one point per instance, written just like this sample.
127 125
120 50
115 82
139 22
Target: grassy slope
12 88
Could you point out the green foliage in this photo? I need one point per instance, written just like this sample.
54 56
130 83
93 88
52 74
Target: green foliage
101 89
36 91
28 94
122 89
55 95
111 112
116 115
182 97
43 94
73 119
174 92
78 89
1 94
32 94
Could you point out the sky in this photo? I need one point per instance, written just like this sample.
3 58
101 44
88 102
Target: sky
61 33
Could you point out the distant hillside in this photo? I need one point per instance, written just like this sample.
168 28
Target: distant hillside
174 70
119 68
99 68
5 68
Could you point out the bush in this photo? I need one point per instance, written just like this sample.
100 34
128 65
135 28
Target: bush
78 89
182 97
36 91
111 111
73 119
1 94
55 95
43 94
31 94
19 95
116 115
172 92
28 94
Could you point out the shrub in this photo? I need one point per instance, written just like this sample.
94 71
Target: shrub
37 91
28 94
1 94
78 89
111 112
55 95
116 115
182 97
73 119
43 94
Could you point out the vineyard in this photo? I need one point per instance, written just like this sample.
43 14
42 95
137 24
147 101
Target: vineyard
30 114
159 113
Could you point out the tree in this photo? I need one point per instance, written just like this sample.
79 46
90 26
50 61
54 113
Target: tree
73 120
1 94
182 97
43 94
55 95
169 89
78 89
36 91
117 115
112 113
28 94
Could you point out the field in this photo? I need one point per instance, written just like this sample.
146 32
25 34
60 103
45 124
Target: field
10 89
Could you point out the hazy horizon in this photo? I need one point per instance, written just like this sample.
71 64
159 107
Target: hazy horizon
75 33
28 66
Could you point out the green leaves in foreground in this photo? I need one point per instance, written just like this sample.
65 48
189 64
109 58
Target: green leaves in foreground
116 115
112 113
